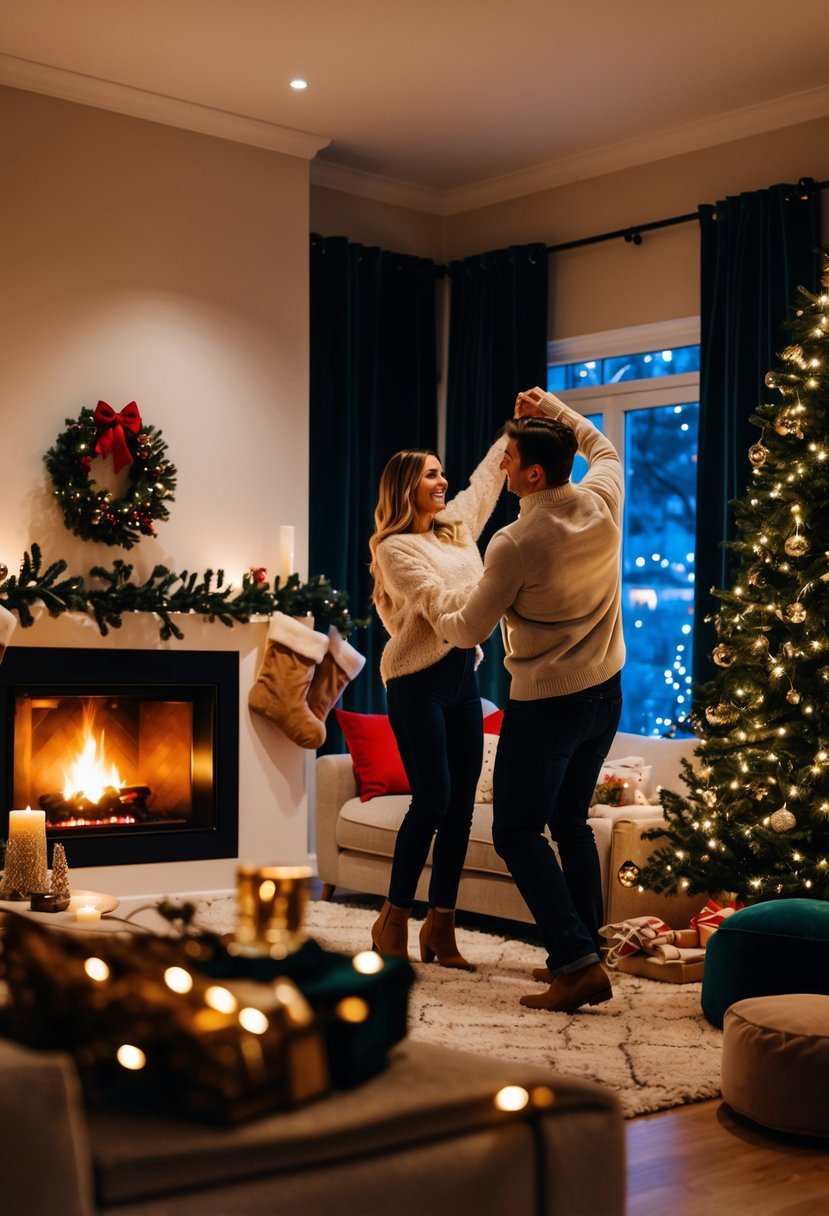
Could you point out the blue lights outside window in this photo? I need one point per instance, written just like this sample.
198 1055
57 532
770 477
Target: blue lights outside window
648 366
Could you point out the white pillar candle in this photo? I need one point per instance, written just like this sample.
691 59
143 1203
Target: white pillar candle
287 561
88 913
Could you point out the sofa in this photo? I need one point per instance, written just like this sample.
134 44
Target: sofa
355 839
425 1135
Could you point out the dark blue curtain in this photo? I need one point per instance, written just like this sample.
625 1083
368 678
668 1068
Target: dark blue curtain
373 391
756 249
497 346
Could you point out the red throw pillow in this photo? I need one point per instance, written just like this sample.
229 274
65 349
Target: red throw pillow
374 754
492 723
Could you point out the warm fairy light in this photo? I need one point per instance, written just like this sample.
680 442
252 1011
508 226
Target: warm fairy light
796 857
178 979
220 999
352 1009
253 1020
511 1097
367 962
755 882
96 969
130 1057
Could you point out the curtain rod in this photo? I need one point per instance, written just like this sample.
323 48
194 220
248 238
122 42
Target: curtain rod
805 189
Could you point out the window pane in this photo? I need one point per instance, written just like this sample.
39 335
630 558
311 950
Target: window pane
648 365
579 463
658 565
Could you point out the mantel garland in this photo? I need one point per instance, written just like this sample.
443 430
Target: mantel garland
91 512
167 594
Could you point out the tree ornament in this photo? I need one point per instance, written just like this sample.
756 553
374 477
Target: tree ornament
761 643
723 656
770 380
795 613
92 513
787 423
758 791
628 874
4 570
755 577
758 454
792 353
793 696
782 820
796 545
721 714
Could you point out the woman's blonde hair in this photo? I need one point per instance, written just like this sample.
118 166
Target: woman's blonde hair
395 510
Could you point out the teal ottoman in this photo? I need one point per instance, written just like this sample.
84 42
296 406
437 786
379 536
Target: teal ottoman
768 949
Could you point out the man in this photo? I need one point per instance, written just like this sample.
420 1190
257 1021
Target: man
554 577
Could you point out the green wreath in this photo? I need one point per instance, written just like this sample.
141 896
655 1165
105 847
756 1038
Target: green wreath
93 513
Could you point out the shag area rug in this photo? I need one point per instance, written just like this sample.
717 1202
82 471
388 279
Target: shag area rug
651 1043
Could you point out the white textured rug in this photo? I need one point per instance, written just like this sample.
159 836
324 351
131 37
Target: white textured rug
651 1043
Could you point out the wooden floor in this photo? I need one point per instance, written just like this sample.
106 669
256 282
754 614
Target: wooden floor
702 1160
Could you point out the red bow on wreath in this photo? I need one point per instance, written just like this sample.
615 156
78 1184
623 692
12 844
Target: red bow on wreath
111 437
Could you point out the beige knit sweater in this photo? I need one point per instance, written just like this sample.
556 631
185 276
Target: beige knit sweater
554 577
412 565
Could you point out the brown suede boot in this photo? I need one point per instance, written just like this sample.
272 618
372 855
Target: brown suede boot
567 993
543 974
437 939
390 932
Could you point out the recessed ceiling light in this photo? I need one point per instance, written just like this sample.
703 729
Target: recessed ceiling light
299 84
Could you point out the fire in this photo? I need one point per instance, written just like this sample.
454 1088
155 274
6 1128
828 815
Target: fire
87 776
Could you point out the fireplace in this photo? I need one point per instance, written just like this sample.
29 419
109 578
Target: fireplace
132 754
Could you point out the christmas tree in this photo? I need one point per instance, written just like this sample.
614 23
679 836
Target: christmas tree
755 822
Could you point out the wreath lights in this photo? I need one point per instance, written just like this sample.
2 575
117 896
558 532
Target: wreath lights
94 513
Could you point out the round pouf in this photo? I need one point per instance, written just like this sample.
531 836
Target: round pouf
766 950
775 1061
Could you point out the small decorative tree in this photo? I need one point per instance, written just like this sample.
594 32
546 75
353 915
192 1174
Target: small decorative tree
755 822
60 872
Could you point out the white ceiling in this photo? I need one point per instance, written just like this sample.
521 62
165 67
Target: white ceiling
443 100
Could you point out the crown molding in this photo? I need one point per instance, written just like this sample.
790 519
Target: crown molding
719 129
157 107
332 176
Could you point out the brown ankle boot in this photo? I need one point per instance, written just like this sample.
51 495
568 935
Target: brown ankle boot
569 992
390 932
437 939
543 974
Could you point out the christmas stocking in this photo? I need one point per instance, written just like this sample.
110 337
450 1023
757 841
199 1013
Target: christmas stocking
340 665
292 651
7 627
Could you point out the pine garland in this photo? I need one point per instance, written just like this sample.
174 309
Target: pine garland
168 594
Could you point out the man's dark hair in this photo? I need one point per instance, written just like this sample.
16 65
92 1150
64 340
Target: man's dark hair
545 441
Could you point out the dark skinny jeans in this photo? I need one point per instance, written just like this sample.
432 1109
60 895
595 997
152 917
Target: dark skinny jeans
438 724
549 757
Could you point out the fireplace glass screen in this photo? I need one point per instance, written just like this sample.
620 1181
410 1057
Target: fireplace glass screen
132 755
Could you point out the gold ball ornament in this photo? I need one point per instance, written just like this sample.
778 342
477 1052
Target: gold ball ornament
4 570
782 820
793 696
723 656
796 545
758 455
628 875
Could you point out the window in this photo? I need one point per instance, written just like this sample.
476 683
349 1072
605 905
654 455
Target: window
641 388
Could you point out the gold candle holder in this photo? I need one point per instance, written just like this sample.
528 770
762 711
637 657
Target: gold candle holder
270 909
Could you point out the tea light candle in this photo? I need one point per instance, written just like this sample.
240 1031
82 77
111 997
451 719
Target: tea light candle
88 913
287 560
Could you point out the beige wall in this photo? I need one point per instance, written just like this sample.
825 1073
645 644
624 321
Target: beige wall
612 284
399 229
149 263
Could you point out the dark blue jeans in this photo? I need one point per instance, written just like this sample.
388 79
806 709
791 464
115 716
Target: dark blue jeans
548 760
437 720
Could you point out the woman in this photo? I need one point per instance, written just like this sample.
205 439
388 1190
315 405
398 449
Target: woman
422 544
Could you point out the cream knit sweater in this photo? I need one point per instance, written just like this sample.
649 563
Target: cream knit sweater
554 577
413 565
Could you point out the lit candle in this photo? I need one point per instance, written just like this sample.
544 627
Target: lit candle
88 913
29 828
286 552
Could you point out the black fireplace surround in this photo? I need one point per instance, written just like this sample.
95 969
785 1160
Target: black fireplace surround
198 688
